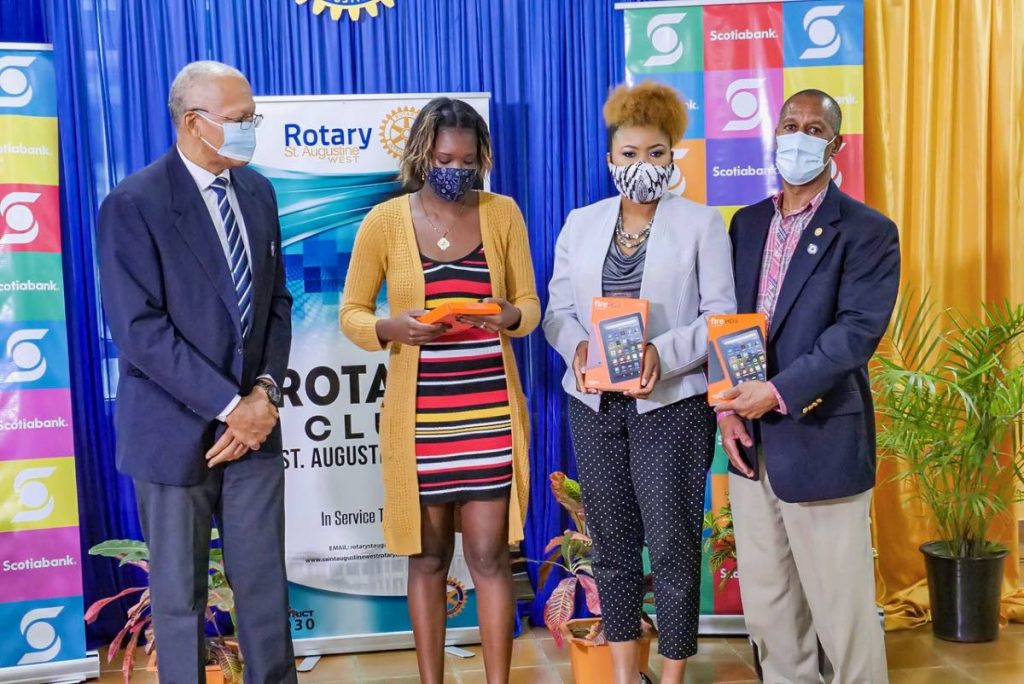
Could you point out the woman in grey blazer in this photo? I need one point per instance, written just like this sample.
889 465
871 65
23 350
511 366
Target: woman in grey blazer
643 457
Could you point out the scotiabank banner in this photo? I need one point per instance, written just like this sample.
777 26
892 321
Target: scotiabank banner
734 65
42 634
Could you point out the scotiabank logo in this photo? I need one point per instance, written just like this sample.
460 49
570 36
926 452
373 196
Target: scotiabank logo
665 42
748 110
29 218
742 104
35 424
15 89
34 355
743 37
20 224
659 41
26 355
743 34
42 630
740 171
822 32
40 635
32 495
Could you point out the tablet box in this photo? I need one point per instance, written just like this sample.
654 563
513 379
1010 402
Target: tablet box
736 351
618 338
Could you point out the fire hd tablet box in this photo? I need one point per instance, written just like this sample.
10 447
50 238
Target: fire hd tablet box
618 337
737 351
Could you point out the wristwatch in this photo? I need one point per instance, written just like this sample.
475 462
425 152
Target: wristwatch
272 390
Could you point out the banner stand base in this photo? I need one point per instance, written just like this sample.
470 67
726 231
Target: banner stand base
722 625
64 671
388 641
716 625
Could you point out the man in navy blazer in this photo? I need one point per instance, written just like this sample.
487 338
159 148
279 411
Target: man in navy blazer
824 269
194 293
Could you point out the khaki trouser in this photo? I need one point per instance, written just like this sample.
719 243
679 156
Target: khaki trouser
807 574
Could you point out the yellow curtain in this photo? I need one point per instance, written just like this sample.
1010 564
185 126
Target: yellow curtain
944 158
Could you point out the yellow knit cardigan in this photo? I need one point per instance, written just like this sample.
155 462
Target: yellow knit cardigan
386 249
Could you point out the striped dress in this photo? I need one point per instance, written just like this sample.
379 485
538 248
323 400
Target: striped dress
463 421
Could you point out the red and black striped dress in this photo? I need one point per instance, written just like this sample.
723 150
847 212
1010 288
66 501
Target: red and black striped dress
463 421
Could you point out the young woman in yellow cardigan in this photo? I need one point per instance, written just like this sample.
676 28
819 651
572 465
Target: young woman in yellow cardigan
454 429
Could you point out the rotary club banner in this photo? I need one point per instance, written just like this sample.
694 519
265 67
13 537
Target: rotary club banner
734 64
330 160
42 635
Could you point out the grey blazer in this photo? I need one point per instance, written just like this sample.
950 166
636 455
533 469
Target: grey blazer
687 275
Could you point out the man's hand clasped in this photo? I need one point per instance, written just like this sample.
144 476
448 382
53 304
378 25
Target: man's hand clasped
249 425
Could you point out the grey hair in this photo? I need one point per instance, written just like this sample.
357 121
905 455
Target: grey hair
188 77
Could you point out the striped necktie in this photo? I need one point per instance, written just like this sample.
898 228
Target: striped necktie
238 261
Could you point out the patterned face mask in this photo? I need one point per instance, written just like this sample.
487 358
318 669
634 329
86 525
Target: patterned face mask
450 183
642 182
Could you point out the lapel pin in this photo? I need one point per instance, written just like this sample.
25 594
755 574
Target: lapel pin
818 232
273 248
812 249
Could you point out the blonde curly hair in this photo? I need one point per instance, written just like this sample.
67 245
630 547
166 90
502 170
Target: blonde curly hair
646 104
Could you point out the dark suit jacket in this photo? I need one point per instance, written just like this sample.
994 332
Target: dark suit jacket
833 309
173 313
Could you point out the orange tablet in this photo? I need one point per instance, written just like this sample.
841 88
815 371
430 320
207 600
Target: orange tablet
447 313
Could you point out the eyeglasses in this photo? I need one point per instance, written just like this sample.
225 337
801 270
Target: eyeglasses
245 123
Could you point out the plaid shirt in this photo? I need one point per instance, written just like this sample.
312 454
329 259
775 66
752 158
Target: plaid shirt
783 237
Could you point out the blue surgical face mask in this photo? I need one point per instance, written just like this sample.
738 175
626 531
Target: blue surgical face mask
451 183
800 158
239 144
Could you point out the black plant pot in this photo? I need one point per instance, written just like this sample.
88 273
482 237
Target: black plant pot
964 594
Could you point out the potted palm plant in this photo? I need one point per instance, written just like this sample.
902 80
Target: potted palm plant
225 663
589 652
950 393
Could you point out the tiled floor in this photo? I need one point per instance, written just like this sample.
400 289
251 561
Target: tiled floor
915 657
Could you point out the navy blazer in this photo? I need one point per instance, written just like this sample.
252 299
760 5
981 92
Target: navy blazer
834 306
173 313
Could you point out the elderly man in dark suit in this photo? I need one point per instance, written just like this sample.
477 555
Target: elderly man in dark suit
825 271
194 293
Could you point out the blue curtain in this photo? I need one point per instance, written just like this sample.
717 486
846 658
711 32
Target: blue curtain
23 22
548 65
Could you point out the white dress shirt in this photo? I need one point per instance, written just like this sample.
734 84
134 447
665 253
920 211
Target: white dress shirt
204 181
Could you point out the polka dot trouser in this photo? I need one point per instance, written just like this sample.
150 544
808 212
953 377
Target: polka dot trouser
643 477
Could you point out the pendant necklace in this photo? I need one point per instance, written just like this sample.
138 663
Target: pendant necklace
442 242
631 240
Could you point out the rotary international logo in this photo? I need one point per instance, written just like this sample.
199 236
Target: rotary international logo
394 129
353 7
456 597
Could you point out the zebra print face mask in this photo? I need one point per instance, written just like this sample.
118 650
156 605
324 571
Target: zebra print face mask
642 182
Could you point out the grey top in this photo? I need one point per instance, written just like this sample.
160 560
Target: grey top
622 274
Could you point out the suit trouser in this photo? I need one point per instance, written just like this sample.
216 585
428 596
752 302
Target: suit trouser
247 497
643 477
807 574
